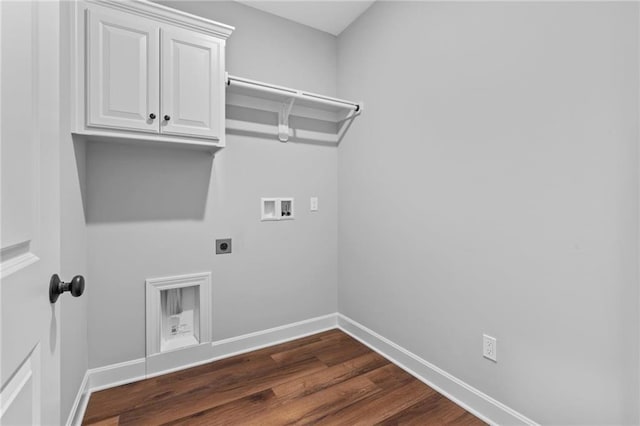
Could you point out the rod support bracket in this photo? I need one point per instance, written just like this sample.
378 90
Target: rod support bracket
283 120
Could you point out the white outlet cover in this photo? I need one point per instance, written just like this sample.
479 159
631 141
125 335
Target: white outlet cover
489 347
313 204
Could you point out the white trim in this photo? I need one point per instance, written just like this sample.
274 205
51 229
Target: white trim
169 15
29 371
273 336
177 359
471 399
173 369
16 264
100 378
135 138
238 345
118 374
80 403
97 379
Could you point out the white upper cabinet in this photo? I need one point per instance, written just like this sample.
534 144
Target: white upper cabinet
123 71
191 70
143 71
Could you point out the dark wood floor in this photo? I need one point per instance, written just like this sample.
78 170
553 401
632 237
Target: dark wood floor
327 378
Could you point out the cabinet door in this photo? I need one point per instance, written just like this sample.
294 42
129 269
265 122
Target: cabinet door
123 71
192 84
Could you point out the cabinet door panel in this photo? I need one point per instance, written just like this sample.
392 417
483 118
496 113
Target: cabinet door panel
123 68
192 86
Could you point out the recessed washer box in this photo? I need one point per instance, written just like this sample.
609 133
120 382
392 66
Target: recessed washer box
277 208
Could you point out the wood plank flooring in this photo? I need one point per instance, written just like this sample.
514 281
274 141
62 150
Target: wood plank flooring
325 379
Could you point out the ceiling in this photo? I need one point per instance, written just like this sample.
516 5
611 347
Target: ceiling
329 16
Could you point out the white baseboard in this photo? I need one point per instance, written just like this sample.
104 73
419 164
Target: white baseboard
109 376
168 362
117 374
96 379
80 403
272 336
463 394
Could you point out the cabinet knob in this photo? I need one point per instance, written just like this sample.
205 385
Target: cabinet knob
167 117
152 116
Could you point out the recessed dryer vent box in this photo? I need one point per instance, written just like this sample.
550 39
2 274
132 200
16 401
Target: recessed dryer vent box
277 208
178 311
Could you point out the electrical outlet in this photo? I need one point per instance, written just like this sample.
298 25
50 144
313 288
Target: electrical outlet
223 246
489 347
314 204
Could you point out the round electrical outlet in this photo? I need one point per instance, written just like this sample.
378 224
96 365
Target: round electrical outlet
223 246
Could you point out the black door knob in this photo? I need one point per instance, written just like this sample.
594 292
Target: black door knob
57 287
152 116
167 117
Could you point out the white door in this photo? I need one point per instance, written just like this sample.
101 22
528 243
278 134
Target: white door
123 71
29 213
192 89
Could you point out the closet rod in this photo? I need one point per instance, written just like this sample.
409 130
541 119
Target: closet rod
290 93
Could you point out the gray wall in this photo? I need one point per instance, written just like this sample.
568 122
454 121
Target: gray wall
74 357
491 186
154 212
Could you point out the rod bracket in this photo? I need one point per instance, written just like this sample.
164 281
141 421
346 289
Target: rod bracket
283 120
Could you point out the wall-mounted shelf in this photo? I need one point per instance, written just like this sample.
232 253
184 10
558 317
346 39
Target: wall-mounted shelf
285 102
